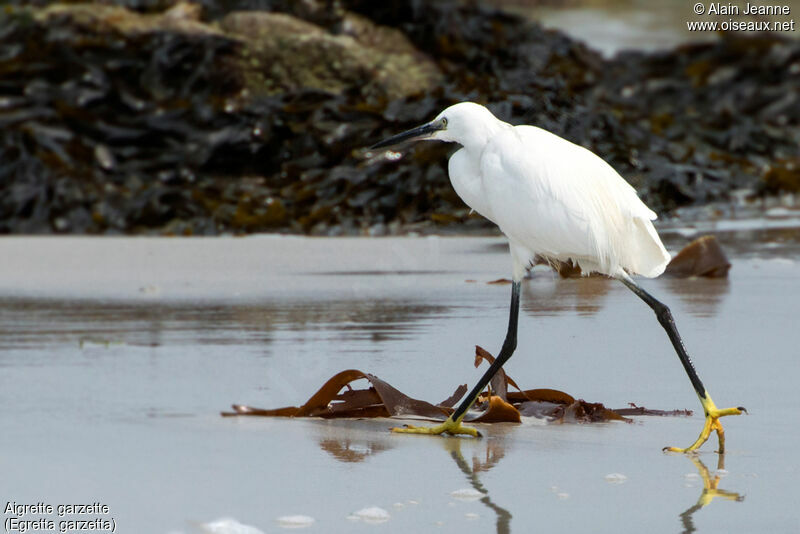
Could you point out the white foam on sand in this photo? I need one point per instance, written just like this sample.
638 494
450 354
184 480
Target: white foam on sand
295 521
466 494
372 514
616 478
228 526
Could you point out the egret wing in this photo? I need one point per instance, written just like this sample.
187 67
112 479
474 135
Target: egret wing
560 200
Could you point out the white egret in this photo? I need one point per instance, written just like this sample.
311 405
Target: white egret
558 201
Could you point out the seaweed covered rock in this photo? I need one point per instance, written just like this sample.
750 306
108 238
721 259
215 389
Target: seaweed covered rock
283 53
117 121
713 116
150 116
98 112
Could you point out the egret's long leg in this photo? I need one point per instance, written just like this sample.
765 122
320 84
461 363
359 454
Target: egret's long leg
712 413
453 424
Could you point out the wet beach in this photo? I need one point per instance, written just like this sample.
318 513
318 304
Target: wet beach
119 354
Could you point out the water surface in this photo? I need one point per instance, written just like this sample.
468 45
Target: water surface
117 356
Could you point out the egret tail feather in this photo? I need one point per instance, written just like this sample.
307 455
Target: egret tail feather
648 256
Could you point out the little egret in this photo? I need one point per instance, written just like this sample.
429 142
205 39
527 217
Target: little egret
557 201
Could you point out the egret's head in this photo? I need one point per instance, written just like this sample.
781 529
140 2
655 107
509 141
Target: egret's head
465 123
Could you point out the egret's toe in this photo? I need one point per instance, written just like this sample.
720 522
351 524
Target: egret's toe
712 423
450 426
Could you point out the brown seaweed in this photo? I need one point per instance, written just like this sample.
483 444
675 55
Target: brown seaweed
338 399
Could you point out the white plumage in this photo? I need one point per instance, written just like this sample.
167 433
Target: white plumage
550 197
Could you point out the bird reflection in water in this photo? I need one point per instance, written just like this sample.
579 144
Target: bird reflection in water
494 453
354 450
585 296
701 296
710 491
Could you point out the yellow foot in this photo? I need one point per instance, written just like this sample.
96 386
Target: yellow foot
448 427
712 423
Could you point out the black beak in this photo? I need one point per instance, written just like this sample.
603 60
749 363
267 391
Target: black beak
419 132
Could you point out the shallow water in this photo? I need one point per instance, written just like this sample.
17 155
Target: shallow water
117 356
613 25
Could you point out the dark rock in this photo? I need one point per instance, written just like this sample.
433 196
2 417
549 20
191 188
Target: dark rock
283 54
702 257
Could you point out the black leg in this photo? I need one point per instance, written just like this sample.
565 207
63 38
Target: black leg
666 320
711 411
505 353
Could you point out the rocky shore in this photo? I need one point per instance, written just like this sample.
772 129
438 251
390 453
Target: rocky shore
199 119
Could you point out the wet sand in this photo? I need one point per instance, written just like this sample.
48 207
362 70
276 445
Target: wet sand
118 354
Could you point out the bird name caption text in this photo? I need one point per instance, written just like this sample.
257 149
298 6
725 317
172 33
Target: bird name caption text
742 16
45 517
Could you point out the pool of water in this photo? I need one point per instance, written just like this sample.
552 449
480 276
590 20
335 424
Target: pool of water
613 25
117 356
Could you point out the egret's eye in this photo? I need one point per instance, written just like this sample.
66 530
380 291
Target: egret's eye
444 121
